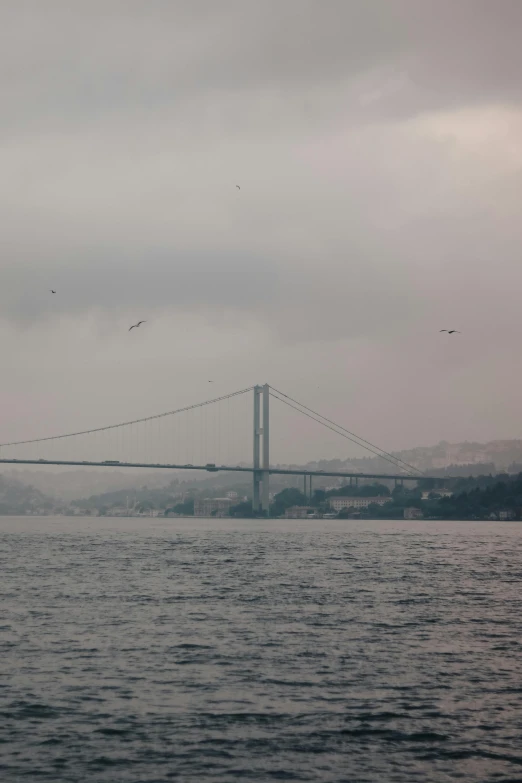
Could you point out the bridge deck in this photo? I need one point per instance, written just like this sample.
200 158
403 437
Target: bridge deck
217 468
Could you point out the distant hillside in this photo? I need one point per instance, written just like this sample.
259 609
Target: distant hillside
143 498
503 454
19 498
71 484
486 497
495 456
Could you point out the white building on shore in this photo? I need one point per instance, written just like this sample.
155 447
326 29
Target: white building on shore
339 503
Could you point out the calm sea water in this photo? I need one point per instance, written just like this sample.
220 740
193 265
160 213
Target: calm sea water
199 650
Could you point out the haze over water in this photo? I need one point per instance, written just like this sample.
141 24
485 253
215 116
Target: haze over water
205 650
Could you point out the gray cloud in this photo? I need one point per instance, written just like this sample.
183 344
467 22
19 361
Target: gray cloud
377 149
60 64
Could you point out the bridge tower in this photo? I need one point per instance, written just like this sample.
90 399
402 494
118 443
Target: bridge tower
261 440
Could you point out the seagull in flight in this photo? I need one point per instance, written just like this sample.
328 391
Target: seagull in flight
135 326
451 331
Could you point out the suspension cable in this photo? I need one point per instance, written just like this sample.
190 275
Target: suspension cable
127 423
351 436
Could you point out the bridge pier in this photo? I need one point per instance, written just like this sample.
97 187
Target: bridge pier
307 486
266 450
261 474
257 455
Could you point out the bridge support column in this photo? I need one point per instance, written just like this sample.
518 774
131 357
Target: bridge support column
257 451
266 449
261 475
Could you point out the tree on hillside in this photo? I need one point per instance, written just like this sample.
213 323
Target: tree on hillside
185 509
319 498
366 490
242 510
285 499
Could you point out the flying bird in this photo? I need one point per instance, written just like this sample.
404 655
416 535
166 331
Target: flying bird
451 331
53 292
135 326
237 186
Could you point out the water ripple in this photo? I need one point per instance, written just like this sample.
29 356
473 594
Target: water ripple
198 650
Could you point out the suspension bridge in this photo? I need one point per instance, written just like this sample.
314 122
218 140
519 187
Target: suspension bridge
190 438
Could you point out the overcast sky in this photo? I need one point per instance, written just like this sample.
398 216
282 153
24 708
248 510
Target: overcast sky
378 147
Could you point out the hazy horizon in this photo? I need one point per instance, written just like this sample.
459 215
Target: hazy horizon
377 148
